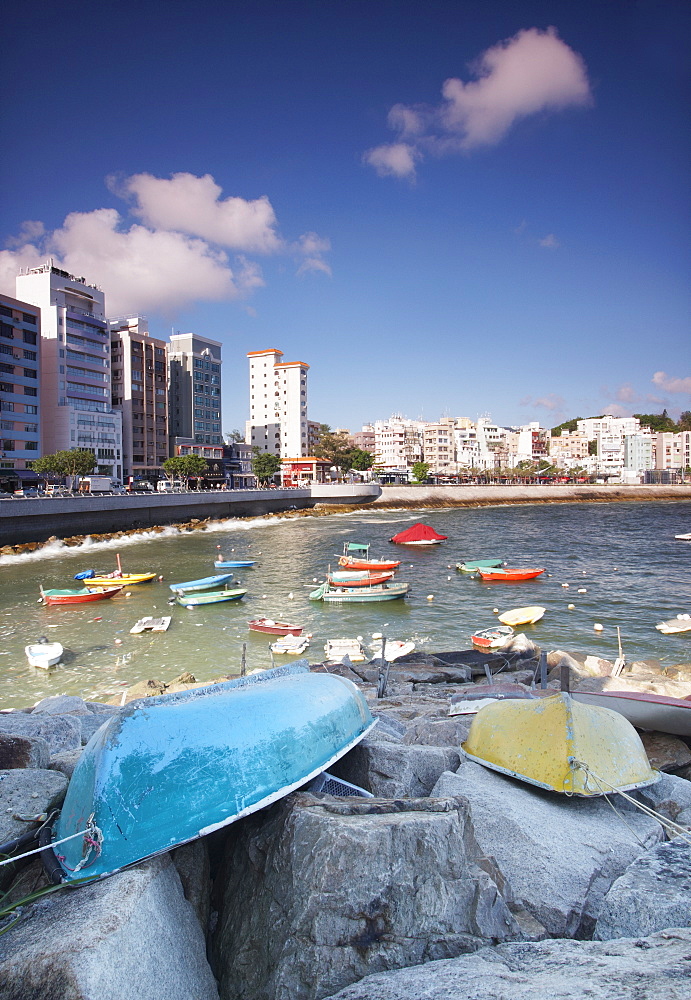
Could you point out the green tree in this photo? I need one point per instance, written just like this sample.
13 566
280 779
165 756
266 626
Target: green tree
185 467
568 425
659 422
66 463
420 471
685 420
334 449
360 460
592 447
235 436
265 465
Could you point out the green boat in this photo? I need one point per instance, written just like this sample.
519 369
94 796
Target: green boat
170 769
474 565
209 597
359 595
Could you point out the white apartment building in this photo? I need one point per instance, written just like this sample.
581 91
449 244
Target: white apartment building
139 366
194 396
76 411
439 446
607 424
639 453
398 443
531 443
278 405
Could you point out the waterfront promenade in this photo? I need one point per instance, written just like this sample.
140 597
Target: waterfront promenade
478 496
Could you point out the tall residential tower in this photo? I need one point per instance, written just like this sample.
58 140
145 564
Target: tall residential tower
278 405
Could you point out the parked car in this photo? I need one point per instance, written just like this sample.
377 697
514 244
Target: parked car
141 486
29 492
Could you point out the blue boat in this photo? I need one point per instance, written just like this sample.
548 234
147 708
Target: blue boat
233 563
205 583
167 770
209 597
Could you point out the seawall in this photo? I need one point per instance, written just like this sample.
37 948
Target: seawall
482 496
38 519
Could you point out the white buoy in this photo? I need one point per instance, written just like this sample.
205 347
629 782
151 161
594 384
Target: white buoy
376 635
565 585
571 607
290 597
128 594
582 590
448 578
430 597
598 627
118 642
495 611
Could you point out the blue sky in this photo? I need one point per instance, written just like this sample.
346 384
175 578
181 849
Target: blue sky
445 208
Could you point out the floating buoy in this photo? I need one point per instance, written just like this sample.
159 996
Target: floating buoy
565 585
448 578
582 590
264 596
128 594
571 607
376 635
160 579
118 642
430 597
495 611
598 627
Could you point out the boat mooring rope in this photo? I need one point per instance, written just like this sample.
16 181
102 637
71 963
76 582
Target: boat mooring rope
669 825
92 835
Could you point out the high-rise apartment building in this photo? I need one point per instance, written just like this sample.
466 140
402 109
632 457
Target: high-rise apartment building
278 405
20 393
76 411
139 368
194 395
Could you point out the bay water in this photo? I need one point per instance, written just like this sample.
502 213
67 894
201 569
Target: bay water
621 562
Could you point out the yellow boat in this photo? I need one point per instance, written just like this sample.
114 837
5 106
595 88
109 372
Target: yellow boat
522 616
118 579
561 745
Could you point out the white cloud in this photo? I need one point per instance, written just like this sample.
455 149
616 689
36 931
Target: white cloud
530 73
174 256
550 402
671 383
550 242
192 205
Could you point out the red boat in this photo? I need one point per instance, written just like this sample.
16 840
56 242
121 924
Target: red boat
373 565
418 534
358 579
78 596
509 575
270 627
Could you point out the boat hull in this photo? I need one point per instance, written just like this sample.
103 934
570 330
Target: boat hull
206 583
475 565
209 597
509 575
522 616
43 654
492 638
358 580
58 597
125 580
233 563
361 595
167 770
270 627
645 711
372 565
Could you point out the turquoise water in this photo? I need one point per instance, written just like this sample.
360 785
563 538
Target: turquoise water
624 554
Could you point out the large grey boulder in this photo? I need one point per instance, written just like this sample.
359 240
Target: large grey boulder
61 704
26 793
133 936
444 732
654 968
321 892
23 751
652 894
61 732
558 855
670 797
395 770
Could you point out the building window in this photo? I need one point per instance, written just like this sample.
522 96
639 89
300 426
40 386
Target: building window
29 338
31 445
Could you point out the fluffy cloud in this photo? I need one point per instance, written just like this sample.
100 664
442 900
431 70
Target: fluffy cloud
550 242
532 72
669 383
550 402
175 255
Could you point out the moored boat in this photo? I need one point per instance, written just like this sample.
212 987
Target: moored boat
685 537
56 596
509 575
247 742
205 583
43 653
418 534
356 557
358 578
560 744
344 595
271 627
91 578
209 597
472 566
492 638
233 563
522 616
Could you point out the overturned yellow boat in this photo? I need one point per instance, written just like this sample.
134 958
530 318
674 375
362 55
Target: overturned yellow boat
561 745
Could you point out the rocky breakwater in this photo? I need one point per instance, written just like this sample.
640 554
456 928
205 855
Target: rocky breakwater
452 880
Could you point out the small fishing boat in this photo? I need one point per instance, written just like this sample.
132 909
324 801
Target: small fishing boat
166 770
475 564
271 627
209 597
205 583
43 653
509 575
358 578
356 556
233 563
522 616
643 710
418 534
290 644
93 579
337 649
345 595
470 701
684 538
149 624
492 638
54 596
673 626
394 649
561 745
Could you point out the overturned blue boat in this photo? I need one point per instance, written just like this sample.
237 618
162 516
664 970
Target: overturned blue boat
205 583
167 770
